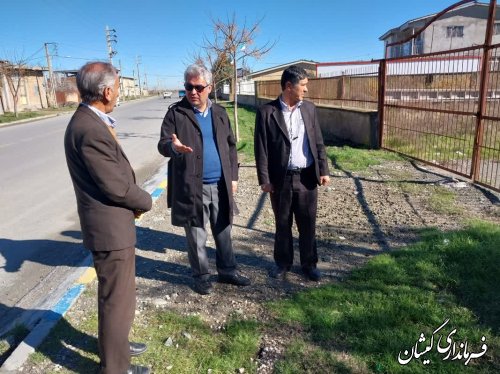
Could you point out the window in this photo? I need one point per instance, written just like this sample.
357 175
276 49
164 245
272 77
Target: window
496 28
455 32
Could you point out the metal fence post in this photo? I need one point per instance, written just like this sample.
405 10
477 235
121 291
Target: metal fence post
483 94
381 99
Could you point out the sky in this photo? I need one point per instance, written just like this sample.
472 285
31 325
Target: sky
163 35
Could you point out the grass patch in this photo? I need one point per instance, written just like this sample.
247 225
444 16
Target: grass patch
75 345
306 358
246 126
384 306
443 200
195 347
358 159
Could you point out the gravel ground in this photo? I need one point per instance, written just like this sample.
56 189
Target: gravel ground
359 215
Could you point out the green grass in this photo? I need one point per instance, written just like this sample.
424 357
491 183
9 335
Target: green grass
443 200
246 125
357 159
385 305
195 349
224 351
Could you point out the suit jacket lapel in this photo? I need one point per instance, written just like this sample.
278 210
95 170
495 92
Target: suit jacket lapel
100 121
306 117
280 119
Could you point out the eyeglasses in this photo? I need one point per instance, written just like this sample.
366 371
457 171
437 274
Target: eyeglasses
199 88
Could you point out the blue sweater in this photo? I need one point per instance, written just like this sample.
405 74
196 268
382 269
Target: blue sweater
212 170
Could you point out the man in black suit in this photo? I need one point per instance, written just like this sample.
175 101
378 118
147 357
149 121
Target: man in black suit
291 162
108 200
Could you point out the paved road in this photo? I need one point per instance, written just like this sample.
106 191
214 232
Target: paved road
39 230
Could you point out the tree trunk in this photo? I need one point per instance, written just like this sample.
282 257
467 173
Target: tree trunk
15 106
236 102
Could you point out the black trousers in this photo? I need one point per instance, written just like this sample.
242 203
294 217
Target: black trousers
116 307
298 197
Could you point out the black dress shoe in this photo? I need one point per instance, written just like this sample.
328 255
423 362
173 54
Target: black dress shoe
236 279
203 287
137 348
136 369
312 274
278 272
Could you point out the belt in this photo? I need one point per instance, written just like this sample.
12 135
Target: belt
294 171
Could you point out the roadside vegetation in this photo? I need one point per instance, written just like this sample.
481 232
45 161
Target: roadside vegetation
10 116
246 121
359 325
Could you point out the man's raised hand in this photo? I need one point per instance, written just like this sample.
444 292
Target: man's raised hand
179 147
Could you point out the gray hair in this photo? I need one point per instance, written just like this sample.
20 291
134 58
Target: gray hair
195 70
93 78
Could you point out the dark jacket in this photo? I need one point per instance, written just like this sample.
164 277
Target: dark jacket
185 171
272 143
104 183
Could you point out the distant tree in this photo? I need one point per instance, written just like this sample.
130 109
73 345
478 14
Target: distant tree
14 70
235 43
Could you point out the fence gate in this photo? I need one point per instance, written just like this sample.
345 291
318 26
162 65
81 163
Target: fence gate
443 108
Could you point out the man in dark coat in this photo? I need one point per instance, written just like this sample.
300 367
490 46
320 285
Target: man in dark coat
202 177
291 162
108 200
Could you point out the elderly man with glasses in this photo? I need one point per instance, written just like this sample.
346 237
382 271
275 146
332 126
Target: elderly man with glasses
202 177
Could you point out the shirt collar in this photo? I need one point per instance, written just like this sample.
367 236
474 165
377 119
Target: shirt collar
205 112
284 106
108 120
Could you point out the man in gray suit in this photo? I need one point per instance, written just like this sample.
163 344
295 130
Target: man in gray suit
291 162
108 200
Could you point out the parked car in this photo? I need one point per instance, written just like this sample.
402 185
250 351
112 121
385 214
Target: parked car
167 95
182 93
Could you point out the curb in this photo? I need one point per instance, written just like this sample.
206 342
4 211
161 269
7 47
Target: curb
50 318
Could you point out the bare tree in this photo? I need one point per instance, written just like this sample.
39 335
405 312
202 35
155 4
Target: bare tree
218 64
236 43
14 72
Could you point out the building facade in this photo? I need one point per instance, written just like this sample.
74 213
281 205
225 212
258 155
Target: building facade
461 27
32 93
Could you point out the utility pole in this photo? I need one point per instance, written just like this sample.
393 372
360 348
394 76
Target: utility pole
137 62
110 38
51 87
146 81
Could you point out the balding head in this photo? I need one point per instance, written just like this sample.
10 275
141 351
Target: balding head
93 78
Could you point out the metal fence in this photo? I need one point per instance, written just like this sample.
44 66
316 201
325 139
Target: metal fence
441 108
444 109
